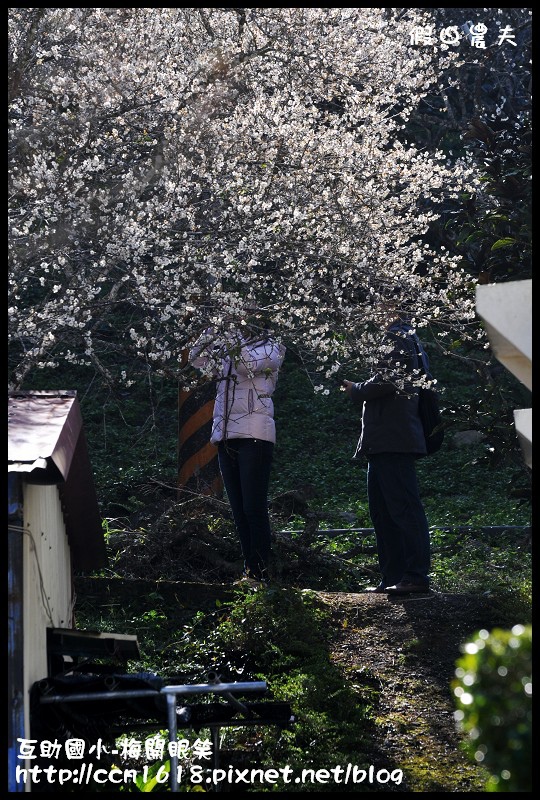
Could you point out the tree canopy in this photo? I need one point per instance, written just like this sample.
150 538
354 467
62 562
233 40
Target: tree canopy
178 168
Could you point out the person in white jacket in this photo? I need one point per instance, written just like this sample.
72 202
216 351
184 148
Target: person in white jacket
246 367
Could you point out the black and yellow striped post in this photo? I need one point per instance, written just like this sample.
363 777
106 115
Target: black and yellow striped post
198 468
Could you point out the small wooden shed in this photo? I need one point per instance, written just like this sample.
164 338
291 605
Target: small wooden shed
54 531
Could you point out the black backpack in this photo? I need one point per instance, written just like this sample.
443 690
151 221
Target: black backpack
429 410
430 414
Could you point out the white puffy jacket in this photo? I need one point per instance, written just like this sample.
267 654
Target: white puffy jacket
243 407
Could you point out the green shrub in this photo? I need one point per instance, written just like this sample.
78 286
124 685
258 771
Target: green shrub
493 690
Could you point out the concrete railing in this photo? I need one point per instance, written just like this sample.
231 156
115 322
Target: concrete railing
506 309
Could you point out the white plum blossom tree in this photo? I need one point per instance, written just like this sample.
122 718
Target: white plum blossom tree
171 169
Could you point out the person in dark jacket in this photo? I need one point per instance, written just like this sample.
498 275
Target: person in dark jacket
392 438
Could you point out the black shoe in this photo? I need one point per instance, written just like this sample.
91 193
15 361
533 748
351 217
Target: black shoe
380 589
405 587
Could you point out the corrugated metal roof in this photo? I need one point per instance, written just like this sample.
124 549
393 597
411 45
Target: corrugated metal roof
47 444
42 427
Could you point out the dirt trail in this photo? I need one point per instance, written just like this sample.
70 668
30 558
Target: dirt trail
401 651
408 647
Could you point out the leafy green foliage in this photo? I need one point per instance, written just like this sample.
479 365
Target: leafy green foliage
497 562
484 483
285 634
494 233
132 439
132 436
285 637
493 690
281 635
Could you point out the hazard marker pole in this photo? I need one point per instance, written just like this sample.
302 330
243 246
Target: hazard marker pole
198 468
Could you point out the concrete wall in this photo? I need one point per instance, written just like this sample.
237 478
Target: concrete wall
47 580
506 309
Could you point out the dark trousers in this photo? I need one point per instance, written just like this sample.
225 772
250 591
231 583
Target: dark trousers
245 466
399 519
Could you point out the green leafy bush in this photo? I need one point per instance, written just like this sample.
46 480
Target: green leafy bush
493 690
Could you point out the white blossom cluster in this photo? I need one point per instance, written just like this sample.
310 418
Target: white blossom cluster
172 168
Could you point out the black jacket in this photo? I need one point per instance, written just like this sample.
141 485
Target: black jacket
390 419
